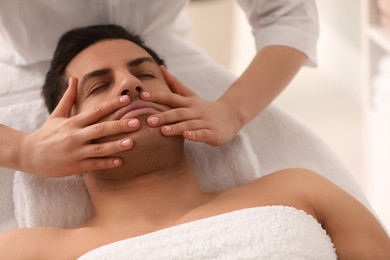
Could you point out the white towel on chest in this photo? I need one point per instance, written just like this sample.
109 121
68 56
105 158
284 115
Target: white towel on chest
271 232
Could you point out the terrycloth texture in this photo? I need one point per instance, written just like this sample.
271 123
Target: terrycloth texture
25 113
64 202
272 232
20 84
26 116
7 216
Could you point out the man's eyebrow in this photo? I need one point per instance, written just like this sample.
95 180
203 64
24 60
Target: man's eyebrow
139 61
95 73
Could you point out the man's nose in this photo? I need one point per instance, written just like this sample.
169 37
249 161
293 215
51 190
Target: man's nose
126 91
131 87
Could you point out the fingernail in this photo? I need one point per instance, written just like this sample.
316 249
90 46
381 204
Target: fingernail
70 81
154 120
133 123
167 128
116 162
126 142
124 99
145 94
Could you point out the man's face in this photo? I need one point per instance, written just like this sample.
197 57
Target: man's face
112 68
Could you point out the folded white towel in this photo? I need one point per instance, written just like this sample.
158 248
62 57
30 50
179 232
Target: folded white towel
272 232
26 116
64 202
18 80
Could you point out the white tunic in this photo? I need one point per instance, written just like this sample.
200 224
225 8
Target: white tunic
30 29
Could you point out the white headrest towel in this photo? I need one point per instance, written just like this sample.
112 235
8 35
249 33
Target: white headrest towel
64 202
26 116
265 233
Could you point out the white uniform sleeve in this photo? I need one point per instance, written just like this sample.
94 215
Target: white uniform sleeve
292 23
30 30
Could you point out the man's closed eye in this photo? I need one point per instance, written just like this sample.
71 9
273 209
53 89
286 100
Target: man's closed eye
97 88
146 76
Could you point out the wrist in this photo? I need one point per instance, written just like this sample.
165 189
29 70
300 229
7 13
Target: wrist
10 146
21 155
236 116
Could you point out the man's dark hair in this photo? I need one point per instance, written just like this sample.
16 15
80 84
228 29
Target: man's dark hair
71 44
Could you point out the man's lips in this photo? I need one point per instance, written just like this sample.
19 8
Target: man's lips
137 108
139 111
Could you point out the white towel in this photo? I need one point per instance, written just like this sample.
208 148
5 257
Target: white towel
64 202
19 80
26 116
272 232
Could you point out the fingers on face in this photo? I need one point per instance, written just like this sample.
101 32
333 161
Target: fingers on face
201 135
99 164
181 127
204 135
175 85
165 98
96 152
108 148
193 130
172 116
67 101
101 110
109 128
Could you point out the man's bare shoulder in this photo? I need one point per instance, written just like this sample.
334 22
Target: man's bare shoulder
28 243
293 180
297 188
292 174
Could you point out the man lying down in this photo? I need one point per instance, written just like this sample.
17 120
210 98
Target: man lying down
155 190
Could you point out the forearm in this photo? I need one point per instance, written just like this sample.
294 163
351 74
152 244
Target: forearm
268 74
10 143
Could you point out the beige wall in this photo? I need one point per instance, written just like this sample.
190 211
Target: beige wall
212 21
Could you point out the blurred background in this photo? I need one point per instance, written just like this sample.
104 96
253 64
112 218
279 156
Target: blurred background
331 99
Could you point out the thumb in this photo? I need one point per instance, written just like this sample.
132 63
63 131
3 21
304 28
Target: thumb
175 85
67 101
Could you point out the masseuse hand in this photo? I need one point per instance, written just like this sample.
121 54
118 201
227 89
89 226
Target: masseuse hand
62 146
199 120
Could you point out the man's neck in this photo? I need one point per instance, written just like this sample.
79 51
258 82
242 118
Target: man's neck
155 199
